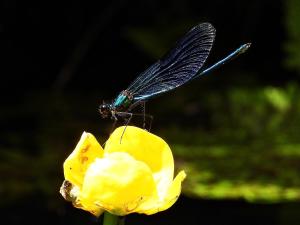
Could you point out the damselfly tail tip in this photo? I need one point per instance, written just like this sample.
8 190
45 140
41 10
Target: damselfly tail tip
244 47
247 45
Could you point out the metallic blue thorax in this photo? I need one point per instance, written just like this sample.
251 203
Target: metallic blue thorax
122 101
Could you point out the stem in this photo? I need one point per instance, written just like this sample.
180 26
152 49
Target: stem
110 219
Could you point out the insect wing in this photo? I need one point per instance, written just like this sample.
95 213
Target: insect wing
180 65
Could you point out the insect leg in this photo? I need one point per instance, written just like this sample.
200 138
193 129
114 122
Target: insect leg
130 115
151 120
127 122
135 104
113 125
144 115
144 112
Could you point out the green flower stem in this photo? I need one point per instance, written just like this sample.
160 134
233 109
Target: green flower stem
110 219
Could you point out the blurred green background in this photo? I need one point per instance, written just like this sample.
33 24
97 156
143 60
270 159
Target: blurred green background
235 132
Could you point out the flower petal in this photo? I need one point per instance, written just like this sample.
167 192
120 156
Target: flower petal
117 183
80 159
172 195
71 192
173 191
148 148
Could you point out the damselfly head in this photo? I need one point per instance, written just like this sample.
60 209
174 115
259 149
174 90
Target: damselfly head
105 110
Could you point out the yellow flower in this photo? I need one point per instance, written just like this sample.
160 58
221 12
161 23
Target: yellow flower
134 175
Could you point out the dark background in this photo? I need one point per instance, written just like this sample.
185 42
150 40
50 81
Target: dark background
61 60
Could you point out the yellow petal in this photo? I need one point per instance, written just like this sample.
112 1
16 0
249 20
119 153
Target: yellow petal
117 183
71 192
148 148
173 191
92 208
172 195
79 160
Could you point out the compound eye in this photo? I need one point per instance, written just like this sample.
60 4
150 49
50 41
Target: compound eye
104 109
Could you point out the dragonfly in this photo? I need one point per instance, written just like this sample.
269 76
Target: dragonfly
181 65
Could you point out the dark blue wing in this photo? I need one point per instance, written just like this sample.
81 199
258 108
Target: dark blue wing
179 66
